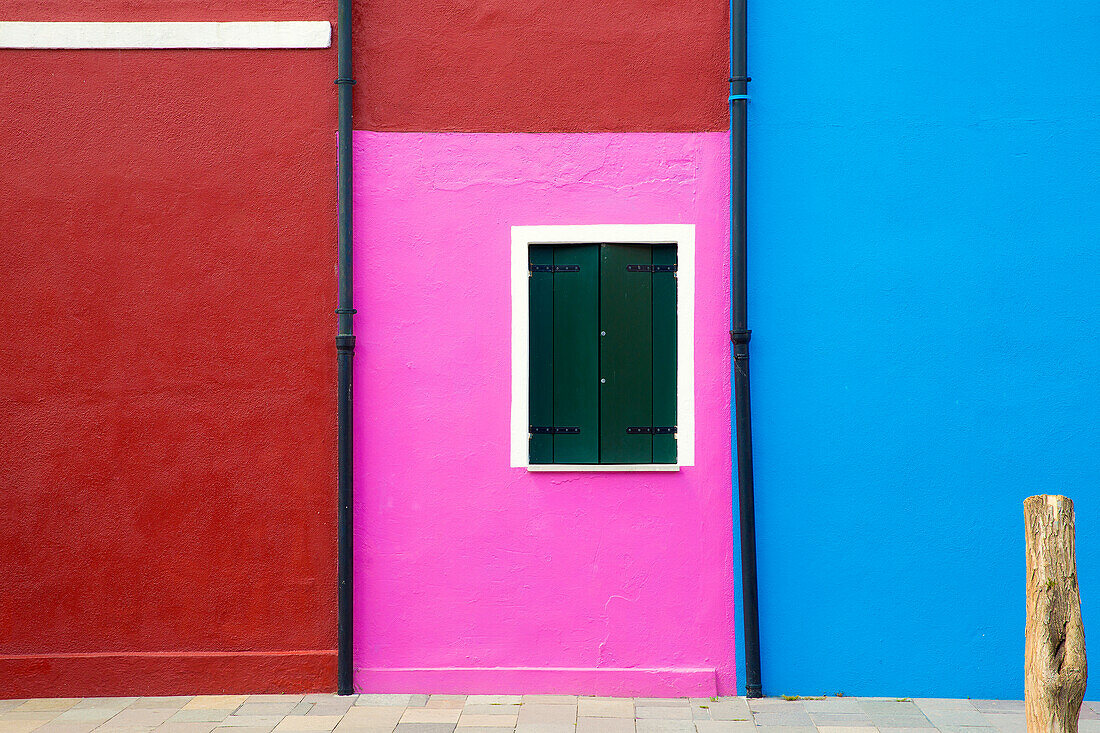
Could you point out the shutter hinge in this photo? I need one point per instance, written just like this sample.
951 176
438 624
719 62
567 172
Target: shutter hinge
555 268
662 430
546 430
651 268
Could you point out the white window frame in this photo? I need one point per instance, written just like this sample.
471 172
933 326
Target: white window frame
681 235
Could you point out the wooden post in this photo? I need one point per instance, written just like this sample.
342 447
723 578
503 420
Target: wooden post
1054 648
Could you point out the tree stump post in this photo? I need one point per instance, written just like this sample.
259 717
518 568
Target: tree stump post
1054 649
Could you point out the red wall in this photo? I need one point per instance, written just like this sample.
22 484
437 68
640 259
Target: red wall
549 66
167 368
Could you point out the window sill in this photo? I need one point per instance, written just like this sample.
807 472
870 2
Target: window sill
584 467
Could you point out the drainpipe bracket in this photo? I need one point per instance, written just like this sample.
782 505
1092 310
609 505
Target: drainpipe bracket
343 80
740 336
345 342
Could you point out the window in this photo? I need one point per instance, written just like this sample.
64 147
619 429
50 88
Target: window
601 324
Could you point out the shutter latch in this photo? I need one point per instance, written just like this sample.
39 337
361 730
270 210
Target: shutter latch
651 268
555 268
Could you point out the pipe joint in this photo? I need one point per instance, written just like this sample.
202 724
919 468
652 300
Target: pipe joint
740 335
345 342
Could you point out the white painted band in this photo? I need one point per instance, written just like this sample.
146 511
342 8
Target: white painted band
237 34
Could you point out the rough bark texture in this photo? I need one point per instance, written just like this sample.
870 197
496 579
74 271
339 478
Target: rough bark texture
1055 670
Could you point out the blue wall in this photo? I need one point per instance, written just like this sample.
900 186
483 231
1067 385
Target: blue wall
925 267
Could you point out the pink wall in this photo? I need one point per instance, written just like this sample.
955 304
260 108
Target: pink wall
471 576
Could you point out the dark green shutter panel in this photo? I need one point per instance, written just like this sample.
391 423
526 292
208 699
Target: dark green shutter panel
576 353
540 398
626 355
664 354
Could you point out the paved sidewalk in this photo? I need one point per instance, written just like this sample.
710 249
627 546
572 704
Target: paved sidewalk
518 713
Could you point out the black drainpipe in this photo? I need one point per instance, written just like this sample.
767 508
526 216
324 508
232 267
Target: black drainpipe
739 335
345 347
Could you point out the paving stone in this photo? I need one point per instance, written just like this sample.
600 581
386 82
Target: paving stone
663 713
785 729
1088 713
723 726
351 726
998 706
661 702
605 725
550 699
847 720
1008 722
139 717
308 723
942 703
967 729
376 700
530 713
170 702
60 704
199 715
846 729
956 717
374 716
267 708
700 712
494 699
594 707
446 701
243 729
491 709
900 721
216 702
832 705
336 707
87 715
304 708
522 727
430 715
295 699
425 727
796 718
901 730
171 727
42 716
772 704
1088 726
114 703
734 710
6 705
67 727
890 707
664 725
482 729
487 721
250 721
20 726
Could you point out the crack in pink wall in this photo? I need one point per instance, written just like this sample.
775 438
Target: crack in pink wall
471 576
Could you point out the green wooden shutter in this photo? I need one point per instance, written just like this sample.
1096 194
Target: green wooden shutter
626 354
602 354
576 353
540 395
664 354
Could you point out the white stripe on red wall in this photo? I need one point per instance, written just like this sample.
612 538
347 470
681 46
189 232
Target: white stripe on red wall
247 34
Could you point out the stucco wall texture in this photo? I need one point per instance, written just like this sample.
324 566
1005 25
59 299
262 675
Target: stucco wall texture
167 372
472 576
548 66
